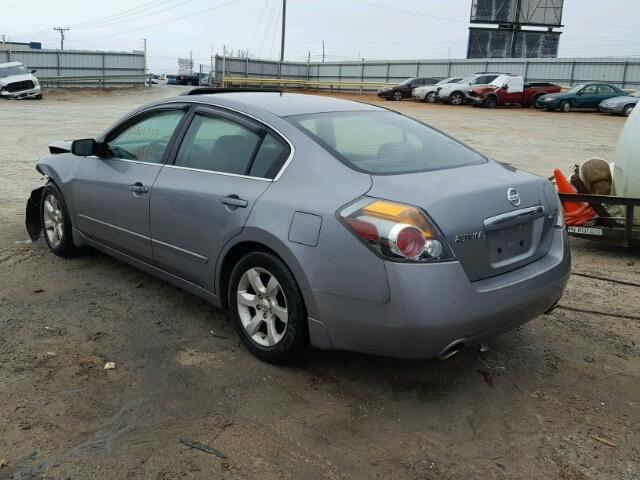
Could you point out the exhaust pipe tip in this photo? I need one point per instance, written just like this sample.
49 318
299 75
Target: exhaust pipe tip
450 351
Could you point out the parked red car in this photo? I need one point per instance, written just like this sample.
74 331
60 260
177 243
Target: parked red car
508 89
404 89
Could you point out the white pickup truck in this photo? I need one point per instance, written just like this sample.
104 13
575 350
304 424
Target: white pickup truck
17 81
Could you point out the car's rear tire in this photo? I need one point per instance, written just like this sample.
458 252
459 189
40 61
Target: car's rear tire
430 97
267 308
456 98
626 111
397 96
565 107
56 222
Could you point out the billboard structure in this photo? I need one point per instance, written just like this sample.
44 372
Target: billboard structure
508 39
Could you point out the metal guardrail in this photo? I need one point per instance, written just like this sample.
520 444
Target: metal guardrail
100 79
301 82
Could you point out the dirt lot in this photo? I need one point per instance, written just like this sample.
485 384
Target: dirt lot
559 398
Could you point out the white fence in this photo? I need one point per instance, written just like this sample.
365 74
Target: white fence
81 63
623 72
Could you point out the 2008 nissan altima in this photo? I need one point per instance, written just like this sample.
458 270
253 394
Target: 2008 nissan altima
313 220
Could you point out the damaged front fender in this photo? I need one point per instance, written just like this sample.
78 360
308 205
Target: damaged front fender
33 221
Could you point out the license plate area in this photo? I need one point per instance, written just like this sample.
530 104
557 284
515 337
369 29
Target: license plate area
509 242
514 236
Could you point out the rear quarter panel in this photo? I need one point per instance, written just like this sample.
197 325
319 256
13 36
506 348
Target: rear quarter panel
316 183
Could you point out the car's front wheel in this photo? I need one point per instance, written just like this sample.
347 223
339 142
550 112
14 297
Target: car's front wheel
267 308
55 219
565 107
397 95
627 110
430 97
456 98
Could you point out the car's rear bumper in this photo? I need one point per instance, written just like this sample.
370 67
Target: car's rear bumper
31 93
435 306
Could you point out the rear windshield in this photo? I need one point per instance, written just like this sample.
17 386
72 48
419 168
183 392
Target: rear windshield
385 143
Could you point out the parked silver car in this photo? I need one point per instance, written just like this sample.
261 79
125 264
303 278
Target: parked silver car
313 219
623 105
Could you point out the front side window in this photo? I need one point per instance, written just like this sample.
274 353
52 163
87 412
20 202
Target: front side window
590 89
385 142
221 145
408 81
147 139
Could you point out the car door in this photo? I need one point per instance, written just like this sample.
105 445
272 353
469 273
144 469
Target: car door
111 195
605 92
587 97
203 198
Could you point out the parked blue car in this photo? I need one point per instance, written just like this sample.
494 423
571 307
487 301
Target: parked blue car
583 96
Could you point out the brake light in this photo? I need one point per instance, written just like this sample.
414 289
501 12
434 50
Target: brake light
396 231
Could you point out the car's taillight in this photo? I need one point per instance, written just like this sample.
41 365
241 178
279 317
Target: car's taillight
396 231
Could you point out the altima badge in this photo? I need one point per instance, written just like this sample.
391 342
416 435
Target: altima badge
467 237
513 196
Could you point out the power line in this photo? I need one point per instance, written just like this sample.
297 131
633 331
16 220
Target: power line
410 12
124 13
231 2
139 17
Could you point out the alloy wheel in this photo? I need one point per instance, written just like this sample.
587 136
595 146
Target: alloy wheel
456 99
262 307
53 220
627 110
397 96
431 97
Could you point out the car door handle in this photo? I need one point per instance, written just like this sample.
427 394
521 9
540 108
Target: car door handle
139 188
234 201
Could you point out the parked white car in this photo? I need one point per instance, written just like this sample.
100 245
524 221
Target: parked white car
427 93
17 81
456 93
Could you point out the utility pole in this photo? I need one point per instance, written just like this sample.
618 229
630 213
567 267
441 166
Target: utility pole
323 50
144 46
224 60
284 22
191 63
61 30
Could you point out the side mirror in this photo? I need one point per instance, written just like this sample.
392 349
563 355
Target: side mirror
88 147
33 70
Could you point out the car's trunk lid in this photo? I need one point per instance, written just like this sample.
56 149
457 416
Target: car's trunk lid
489 233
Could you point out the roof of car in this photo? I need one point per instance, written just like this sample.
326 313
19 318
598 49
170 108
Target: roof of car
285 104
10 64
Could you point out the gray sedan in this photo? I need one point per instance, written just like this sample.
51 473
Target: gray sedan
620 105
313 220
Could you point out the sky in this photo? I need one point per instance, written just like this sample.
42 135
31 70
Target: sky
351 29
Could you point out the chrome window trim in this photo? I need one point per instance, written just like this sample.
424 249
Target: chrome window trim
126 160
286 163
179 167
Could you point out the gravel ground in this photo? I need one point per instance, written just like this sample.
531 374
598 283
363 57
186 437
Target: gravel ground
558 398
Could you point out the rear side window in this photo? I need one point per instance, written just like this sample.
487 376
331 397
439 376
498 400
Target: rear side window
270 158
605 89
384 142
218 145
221 145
